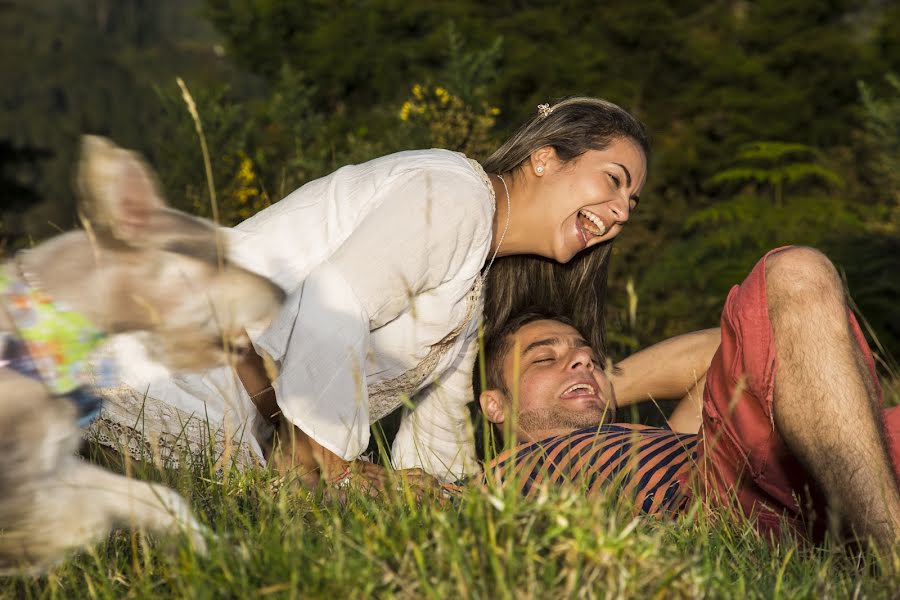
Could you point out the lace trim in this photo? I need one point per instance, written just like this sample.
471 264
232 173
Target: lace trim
386 396
485 178
151 431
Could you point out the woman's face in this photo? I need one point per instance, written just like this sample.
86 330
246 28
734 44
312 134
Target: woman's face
589 199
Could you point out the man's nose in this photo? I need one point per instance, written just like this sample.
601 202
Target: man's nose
581 358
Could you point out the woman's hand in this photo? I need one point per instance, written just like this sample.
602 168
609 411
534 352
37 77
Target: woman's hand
297 453
377 481
257 380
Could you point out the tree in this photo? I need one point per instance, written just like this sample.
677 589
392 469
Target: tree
775 165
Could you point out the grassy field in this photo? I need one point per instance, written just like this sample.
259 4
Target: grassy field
273 541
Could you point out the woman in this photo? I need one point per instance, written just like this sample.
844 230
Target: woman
384 263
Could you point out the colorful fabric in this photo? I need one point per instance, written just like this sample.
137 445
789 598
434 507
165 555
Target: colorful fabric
741 456
52 343
645 465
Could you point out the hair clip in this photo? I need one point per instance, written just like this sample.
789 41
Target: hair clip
544 110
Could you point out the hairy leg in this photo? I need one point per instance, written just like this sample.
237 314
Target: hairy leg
826 406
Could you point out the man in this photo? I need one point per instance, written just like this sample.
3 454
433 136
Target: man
790 418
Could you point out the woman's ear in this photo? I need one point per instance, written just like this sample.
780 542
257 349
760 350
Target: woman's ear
541 159
492 405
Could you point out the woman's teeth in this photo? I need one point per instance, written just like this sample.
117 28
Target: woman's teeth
591 223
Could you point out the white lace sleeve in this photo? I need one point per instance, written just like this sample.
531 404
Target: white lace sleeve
436 433
424 234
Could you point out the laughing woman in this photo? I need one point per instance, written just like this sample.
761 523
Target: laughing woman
389 265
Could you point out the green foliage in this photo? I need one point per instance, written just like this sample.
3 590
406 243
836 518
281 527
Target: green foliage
72 67
265 148
359 54
226 125
723 242
260 150
777 164
719 243
871 258
443 120
305 86
469 71
882 134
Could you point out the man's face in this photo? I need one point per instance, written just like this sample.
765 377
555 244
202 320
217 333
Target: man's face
553 373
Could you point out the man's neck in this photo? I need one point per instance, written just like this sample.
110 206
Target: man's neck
536 435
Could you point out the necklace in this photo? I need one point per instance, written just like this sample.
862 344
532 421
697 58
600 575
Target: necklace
505 228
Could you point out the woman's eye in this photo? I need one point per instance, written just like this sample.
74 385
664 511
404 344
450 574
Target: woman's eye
616 181
545 359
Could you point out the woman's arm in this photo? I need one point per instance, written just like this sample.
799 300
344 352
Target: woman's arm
667 370
252 372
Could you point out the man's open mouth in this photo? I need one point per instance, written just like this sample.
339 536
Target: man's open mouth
579 389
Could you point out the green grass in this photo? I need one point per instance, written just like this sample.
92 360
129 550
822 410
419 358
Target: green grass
273 541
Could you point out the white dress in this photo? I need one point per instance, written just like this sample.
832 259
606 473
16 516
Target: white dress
382 265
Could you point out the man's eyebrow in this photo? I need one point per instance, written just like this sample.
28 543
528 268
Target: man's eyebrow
634 197
580 342
550 341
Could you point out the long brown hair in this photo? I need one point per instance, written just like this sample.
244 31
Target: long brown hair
578 288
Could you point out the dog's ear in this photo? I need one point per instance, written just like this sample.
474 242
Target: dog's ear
119 195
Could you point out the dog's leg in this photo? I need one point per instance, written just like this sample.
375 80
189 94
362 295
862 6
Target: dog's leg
112 499
79 505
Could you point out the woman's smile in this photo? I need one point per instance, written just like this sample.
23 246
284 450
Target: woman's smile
590 226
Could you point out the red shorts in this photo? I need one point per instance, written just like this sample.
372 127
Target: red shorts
741 457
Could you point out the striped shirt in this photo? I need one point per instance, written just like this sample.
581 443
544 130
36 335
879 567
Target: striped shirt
646 464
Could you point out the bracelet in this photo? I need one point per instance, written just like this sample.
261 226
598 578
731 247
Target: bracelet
342 480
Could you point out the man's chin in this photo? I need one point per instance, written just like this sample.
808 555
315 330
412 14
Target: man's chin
559 417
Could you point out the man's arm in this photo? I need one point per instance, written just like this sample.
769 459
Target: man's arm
674 369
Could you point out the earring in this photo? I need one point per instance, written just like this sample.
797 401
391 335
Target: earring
539 170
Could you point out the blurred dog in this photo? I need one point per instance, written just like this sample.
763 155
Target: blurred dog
137 265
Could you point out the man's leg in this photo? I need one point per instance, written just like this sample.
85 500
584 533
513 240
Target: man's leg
826 405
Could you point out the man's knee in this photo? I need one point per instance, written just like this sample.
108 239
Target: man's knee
802 274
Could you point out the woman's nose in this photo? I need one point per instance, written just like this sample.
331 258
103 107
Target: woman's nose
620 210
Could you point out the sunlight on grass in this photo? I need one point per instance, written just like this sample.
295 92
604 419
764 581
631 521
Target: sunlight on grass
274 540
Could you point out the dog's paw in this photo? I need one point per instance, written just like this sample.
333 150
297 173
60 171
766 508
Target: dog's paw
180 518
